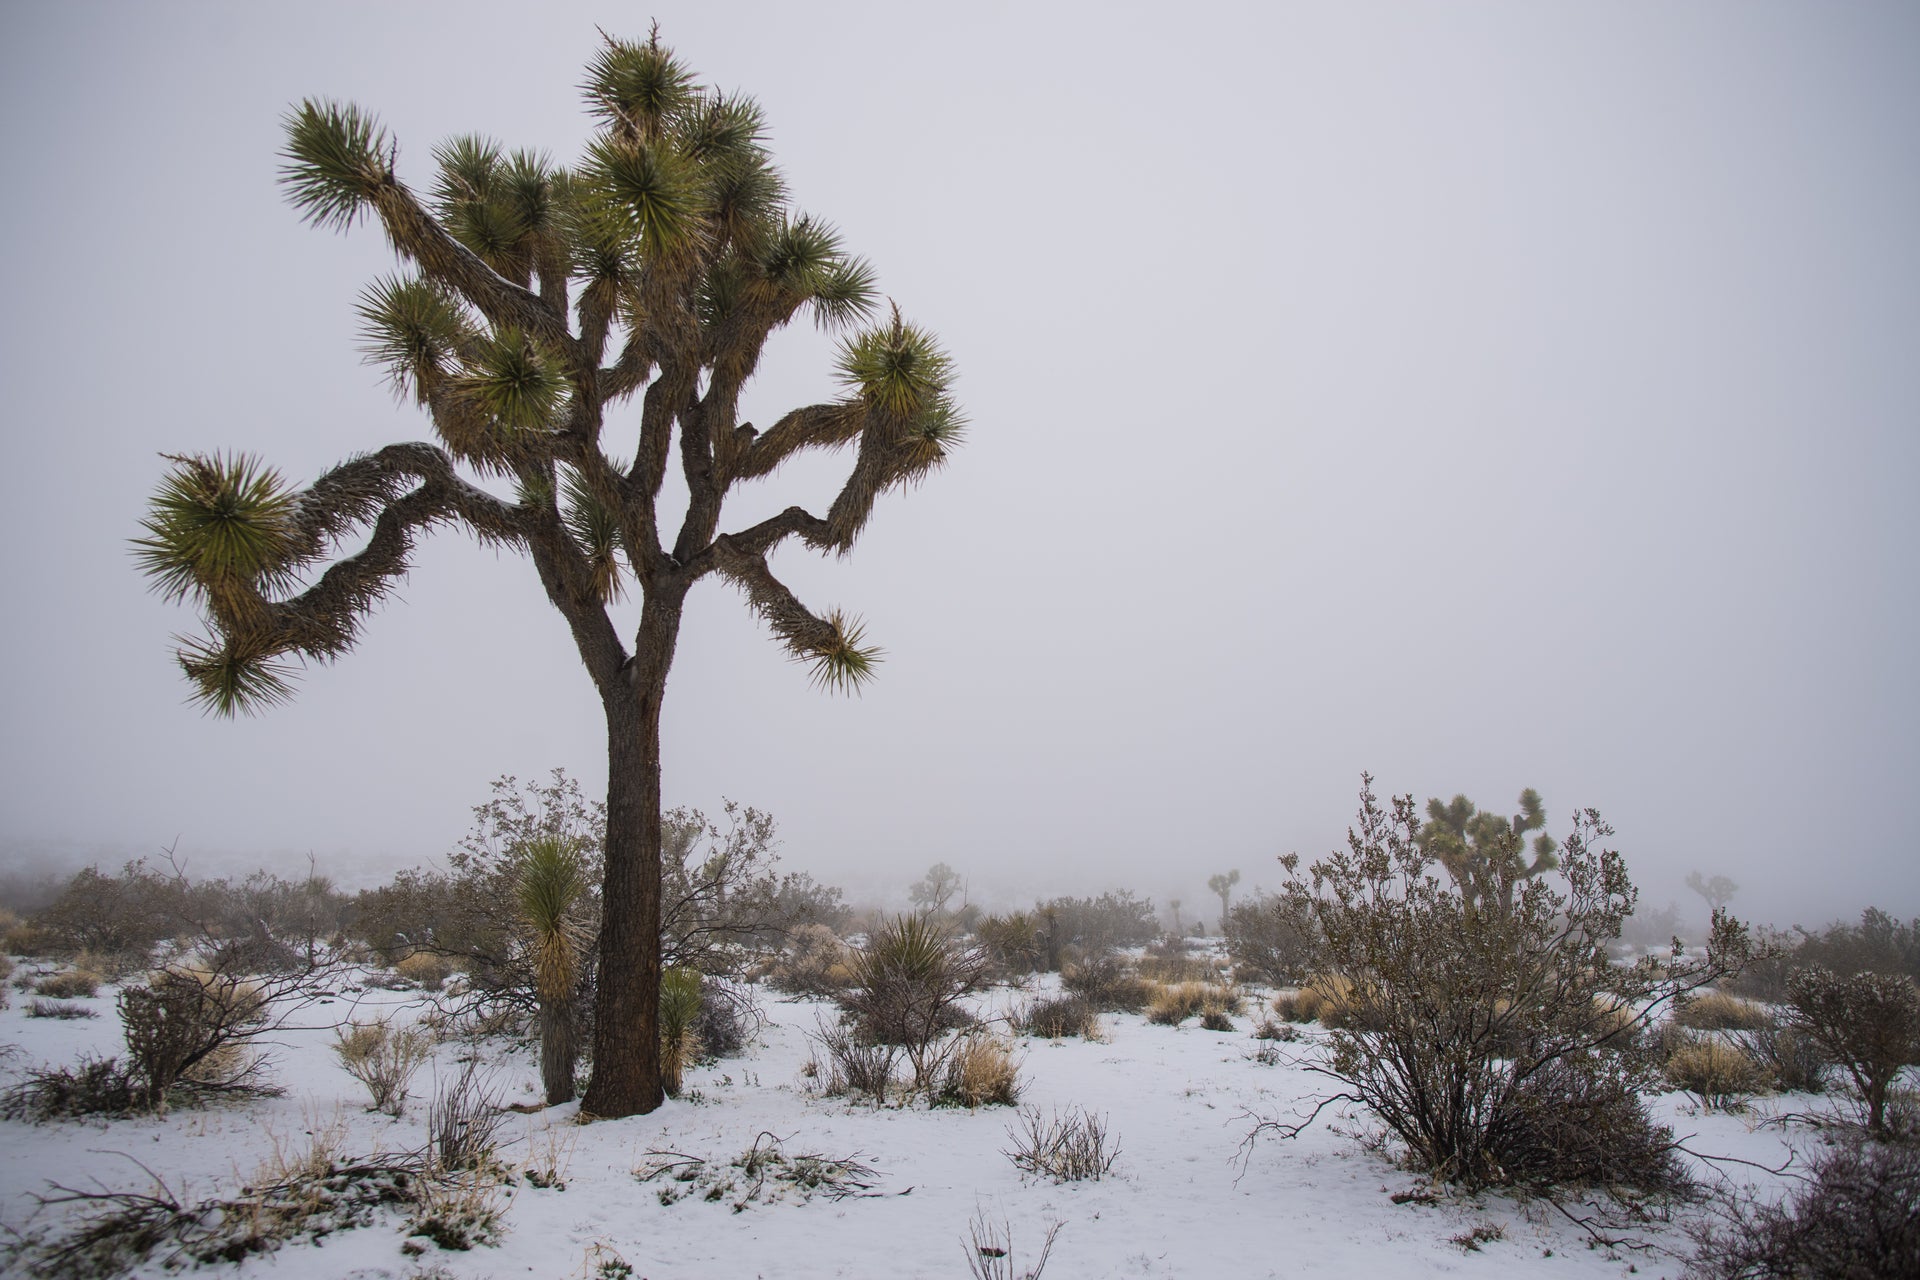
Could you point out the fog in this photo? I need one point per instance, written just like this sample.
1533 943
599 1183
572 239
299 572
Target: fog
1484 396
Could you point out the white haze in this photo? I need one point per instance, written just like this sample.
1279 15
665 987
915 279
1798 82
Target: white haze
1483 395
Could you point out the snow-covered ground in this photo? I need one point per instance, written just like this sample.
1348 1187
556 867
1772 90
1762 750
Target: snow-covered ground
1180 1201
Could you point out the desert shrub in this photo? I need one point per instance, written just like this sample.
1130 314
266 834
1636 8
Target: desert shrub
1721 1075
1268 1029
457 1213
727 1019
1092 925
125 913
1718 1011
853 1065
816 963
910 982
1856 1214
1793 1060
1012 944
679 1016
1106 984
1266 943
1213 1018
384 1058
65 1010
1057 1017
1462 990
1168 960
6 966
1298 1006
427 970
1869 1023
68 985
1879 943
981 1072
1069 1146
91 1087
1568 1124
189 1024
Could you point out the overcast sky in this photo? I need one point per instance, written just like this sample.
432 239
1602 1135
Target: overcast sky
1483 395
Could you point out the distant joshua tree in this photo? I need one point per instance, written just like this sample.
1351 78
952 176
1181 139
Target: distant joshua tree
932 893
1718 891
1486 853
1222 887
543 315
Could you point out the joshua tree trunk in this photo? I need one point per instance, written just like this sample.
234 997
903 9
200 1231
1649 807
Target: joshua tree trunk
559 1050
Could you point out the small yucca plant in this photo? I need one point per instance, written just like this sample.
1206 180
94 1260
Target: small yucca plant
679 1015
552 883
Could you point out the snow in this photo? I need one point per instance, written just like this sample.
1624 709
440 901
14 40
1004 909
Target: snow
1184 1198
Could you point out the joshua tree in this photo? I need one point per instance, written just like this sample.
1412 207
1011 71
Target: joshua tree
537 303
552 883
1485 853
934 892
1222 887
1718 891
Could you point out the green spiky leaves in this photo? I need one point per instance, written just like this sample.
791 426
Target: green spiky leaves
510 380
638 89
228 680
841 663
414 329
498 207
898 368
596 532
646 193
552 882
337 157
217 530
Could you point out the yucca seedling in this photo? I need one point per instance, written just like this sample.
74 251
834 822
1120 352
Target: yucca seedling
679 1016
552 883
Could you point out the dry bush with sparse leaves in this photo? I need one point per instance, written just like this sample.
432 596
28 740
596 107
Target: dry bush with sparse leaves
1869 1023
1107 984
1855 1214
1467 1014
384 1058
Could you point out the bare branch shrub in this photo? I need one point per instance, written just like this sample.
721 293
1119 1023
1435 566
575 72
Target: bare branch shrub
384 1058
1464 1011
463 1125
188 1024
1069 1146
854 1065
91 1087
990 1255
1793 1060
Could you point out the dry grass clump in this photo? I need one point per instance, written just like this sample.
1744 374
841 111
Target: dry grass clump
69 985
981 1072
384 1058
1174 1003
1718 1011
1058 1017
426 969
1324 1000
1722 1076
61 1009
1173 963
